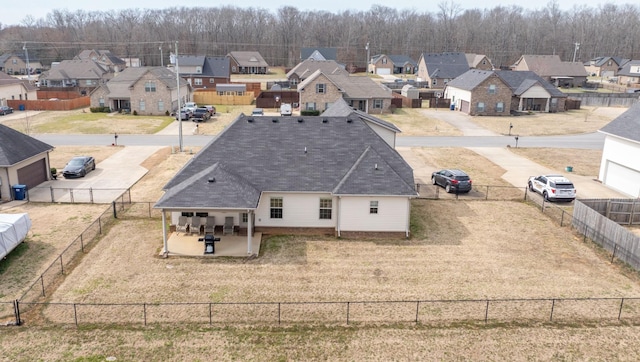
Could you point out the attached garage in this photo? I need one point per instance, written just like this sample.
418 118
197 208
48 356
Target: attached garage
34 174
383 71
622 178
465 107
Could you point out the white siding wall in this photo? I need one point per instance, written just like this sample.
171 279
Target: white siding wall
299 210
536 92
622 152
393 214
456 95
386 134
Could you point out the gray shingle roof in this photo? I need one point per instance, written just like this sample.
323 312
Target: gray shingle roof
521 80
249 59
341 108
318 154
307 67
326 53
470 79
16 146
626 125
445 65
119 86
75 69
626 69
401 60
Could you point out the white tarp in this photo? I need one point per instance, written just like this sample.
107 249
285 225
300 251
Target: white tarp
13 230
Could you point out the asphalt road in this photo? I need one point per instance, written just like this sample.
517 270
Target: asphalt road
583 141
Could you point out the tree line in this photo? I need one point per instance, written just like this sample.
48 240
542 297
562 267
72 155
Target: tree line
503 33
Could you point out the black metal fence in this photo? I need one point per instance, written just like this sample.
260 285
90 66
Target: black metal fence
561 310
479 192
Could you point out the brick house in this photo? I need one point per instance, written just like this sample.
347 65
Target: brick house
144 90
309 66
553 70
392 64
604 67
204 72
320 90
479 61
629 74
86 74
499 92
438 69
247 63
105 58
13 64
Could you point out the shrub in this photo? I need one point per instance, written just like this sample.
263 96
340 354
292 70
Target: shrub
135 113
166 113
100 109
308 112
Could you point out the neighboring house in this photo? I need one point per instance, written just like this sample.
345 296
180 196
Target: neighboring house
439 68
629 74
553 70
144 90
604 67
247 63
75 73
498 92
620 165
320 90
386 130
24 160
306 175
204 72
132 62
103 57
13 88
309 66
479 61
392 64
14 64
319 53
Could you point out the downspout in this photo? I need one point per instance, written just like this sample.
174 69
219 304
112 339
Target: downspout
408 218
338 216
249 231
165 247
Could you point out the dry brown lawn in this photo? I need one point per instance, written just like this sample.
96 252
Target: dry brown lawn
585 120
412 122
584 162
62 154
224 116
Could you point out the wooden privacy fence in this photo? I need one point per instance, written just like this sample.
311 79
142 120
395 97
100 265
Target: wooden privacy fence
210 96
590 219
47 105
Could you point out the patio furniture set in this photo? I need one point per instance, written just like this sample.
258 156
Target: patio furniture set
194 225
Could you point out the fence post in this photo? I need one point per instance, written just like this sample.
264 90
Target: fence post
75 314
613 255
526 190
61 265
278 312
144 312
553 304
348 312
210 316
115 212
81 243
16 312
620 312
91 194
562 218
542 204
42 283
71 195
52 197
486 196
417 309
486 312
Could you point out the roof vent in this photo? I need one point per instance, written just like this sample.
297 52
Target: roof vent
250 120
325 120
375 166
275 120
305 150
349 120
212 180
300 120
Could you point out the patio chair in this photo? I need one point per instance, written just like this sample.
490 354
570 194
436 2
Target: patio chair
228 225
210 225
182 225
195 225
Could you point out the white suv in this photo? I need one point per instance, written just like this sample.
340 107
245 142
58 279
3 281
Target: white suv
553 187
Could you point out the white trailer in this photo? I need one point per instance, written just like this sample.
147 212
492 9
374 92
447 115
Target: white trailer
13 231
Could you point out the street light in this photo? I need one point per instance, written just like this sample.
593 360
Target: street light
26 52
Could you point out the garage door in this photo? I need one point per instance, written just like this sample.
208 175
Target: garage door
464 106
33 174
383 71
623 179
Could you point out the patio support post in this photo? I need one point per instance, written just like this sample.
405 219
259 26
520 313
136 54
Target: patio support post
546 107
338 216
520 105
249 231
165 247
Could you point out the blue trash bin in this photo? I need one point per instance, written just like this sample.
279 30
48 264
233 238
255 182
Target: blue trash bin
452 107
19 192
21 107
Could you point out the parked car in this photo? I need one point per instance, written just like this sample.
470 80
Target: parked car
212 109
79 166
201 115
257 112
185 115
285 109
453 180
190 106
5 110
553 187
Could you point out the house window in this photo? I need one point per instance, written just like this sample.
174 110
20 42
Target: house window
609 63
373 207
554 101
480 107
384 60
325 209
492 89
160 106
276 208
150 86
212 80
500 107
199 70
202 214
14 61
434 81
101 102
484 61
321 88
142 106
310 106
198 81
245 217
187 214
377 103
234 69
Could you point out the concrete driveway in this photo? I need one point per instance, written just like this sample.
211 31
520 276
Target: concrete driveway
109 180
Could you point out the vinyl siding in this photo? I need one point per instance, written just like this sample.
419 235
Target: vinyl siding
298 210
392 214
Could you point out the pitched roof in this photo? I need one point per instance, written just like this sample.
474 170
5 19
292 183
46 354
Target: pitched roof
16 146
308 66
626 125
249 59
341 108
211 66
120 85
283 154
401 60
6 79
475 59
521 80
319 53
445 65
358 87
470 79
86 55
75 69
626 69
552 66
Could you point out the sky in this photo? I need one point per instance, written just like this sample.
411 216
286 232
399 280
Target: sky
14 12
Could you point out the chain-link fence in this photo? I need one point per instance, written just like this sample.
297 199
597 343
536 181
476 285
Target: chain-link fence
478 192
75 194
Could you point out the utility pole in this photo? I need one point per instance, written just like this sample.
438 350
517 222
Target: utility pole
161 58
26 52
366 66
178 93
575 50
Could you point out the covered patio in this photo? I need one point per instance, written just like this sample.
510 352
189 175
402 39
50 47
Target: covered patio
186 244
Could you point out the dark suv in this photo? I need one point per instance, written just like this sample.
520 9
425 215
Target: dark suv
201 115
452 180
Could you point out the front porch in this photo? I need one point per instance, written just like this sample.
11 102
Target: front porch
186 244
